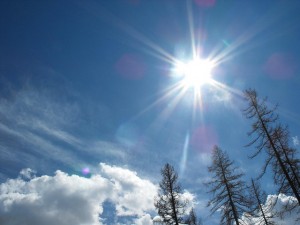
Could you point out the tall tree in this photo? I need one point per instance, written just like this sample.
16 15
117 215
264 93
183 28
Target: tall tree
170 205
227 188
272 137
257 208
291 163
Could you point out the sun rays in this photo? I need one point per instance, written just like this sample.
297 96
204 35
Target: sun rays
192 73
224 50
193 68
192 78
189 76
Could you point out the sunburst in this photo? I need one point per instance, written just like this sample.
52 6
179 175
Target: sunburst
195 73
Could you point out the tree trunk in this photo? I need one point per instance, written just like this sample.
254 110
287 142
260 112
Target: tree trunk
173 201
277 154
259 203
236 218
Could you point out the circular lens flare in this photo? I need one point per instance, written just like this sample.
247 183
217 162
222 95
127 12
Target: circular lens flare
86 171
195 73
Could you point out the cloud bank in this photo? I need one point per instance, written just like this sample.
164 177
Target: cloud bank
276 207
65 199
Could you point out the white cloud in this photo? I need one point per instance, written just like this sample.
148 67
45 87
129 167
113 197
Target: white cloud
144 220
295 140
27 173
189 197
278 211
133 195
65 199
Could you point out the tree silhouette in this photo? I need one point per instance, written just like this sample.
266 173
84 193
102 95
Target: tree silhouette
170 205
192 218
272 137
290 162
227 188
257 208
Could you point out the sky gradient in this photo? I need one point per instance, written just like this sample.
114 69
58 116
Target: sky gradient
88 89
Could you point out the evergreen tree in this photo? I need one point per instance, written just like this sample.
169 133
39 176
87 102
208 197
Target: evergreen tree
170 205
274 139
227 188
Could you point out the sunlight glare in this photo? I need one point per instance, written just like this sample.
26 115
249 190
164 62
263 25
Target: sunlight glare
195 73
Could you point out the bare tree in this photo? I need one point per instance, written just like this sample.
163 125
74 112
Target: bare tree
192 218
291 163
257 208
227 188
171 207
273 138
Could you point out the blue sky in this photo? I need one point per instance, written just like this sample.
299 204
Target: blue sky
89 82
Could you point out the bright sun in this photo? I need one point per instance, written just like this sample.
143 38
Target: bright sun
195 73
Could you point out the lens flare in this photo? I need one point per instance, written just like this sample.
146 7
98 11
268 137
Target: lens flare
86 171
184 154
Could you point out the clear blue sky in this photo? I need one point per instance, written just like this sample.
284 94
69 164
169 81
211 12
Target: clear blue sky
89 82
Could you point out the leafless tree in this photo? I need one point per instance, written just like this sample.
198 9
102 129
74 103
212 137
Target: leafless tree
272 137
290 162
170 205
256 208
192 218
227 188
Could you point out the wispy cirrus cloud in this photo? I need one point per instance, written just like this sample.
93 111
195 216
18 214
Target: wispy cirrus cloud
40 129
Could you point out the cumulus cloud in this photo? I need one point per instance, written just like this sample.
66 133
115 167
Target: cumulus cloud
144 220
27 173
65 199
132 195
275 207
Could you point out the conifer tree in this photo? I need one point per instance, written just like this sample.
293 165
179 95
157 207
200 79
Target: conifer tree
227 188
257 209
291 163
273 138
171 207
192 218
